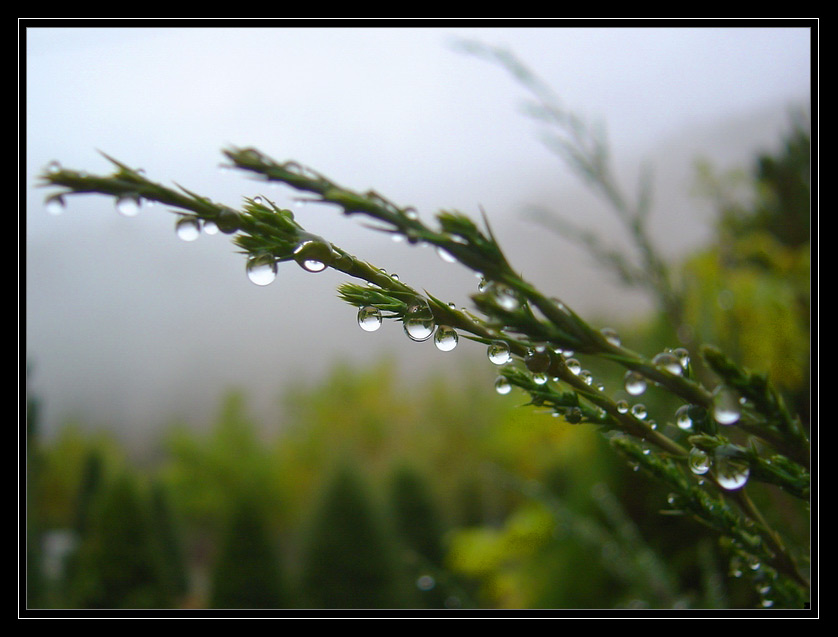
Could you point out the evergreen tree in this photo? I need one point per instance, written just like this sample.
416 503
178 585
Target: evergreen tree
247 571
348 561
167 536
117 565
420 529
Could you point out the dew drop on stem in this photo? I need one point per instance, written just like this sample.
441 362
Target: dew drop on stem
730 470
56 205
699 461
502 386
128 205
670 362
369 318
498 352
726 406
445 338
261 269
634 383
188 228
419 321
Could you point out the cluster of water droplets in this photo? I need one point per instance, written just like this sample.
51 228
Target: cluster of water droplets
726 465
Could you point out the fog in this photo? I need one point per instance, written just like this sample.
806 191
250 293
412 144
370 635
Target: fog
129 327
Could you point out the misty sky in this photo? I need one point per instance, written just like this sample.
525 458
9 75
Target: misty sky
127 323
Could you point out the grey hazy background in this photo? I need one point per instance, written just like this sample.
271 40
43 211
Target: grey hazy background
128 327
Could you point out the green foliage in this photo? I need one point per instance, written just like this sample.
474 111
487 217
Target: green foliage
168 536
349 560
247 571
118 565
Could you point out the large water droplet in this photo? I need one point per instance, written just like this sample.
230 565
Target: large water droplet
498 352
56 205
670 362
128 205
419 321
261 269
369 318
573 365
730 470
538 359
502 386
228 220
635 383
639 411
698 461
313 255
445 338
210 227
188 228
682 418
726 408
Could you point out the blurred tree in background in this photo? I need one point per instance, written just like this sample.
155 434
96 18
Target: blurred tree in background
349 559
118 563
247 571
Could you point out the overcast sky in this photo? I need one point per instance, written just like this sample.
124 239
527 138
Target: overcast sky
123 316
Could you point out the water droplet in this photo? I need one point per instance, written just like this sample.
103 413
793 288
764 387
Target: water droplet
445 338
669 362
682 418
683 355
573 415
586 377
730 469
56 205
257 200
188 228
611 336
539 378
622 406
639 411
573 365
313 255
419 321
726 408
445 255
698 461
210 227
128 205
369 318
502 386
506 297
498 352
635 383
538 359
53 167
261 269
227 220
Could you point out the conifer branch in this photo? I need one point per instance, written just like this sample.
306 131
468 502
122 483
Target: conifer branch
539 333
